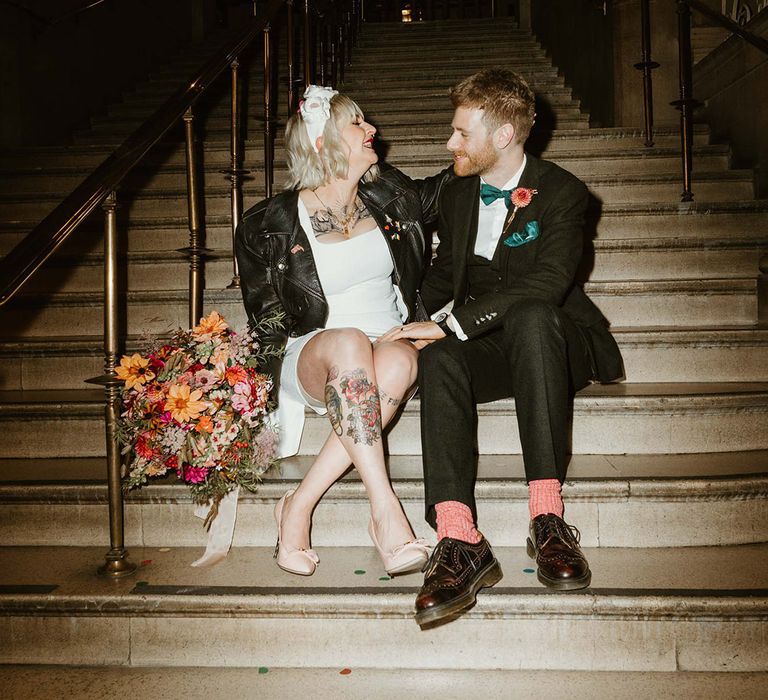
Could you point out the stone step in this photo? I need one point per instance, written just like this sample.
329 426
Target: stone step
615 500
148 176
562 113
371 102
643 613
727 302
650 355
713 187
633 303
736 257
633 418
593 141
343 683
718 227
39 180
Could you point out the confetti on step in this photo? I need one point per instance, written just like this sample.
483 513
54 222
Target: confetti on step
146 562
345 671
529 571
263 669
385 578
164 549
359 572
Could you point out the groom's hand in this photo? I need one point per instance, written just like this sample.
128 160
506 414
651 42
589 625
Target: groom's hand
421 334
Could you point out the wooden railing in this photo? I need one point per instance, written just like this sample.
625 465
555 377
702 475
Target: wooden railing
337 22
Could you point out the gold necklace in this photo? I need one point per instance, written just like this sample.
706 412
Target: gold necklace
343 222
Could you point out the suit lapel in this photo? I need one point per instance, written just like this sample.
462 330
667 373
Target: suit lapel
515 221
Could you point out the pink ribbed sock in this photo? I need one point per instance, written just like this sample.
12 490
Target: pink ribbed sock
454 519
544 497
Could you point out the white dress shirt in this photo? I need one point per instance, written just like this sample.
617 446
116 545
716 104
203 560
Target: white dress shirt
490 223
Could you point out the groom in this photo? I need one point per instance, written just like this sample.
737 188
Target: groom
510 229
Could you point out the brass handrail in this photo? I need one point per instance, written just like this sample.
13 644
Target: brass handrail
28 255
100 188
53 21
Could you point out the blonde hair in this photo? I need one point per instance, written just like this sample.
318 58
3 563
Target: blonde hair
503 95
310 169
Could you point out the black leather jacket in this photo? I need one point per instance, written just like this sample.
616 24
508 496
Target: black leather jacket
277 268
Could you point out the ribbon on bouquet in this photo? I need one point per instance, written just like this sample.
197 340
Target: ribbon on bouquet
222 529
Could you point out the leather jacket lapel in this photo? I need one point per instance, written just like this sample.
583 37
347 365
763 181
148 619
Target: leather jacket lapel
282 218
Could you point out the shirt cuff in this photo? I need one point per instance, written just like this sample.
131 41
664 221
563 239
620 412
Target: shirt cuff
453 324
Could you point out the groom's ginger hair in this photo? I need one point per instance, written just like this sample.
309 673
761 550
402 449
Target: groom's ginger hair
503 95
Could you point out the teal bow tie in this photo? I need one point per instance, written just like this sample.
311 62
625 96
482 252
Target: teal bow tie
489 194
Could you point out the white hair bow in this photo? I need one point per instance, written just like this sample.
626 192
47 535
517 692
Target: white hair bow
315 110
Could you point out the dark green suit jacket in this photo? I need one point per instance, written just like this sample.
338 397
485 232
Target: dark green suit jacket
542 268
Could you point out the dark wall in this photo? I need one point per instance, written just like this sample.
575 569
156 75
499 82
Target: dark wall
578 37
54 76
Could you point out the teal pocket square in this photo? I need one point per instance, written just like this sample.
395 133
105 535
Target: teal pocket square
518 238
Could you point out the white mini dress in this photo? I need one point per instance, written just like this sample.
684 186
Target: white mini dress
356 278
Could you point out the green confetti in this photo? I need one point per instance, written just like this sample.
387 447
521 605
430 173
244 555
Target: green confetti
385 578
529 571
359 572
263 669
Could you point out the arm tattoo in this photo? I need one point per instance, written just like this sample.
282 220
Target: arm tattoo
333 403
362 398
333 372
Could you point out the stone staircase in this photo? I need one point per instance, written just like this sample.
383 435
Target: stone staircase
668 482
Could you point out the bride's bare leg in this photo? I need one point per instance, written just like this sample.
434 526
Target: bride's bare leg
350 372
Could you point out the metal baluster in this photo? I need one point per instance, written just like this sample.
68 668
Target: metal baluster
235 172
647 65
341 38
268 156
333 53
308 49
686 103
291 52
194 252
323 50
116 564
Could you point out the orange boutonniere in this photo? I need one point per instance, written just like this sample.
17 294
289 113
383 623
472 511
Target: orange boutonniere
520 198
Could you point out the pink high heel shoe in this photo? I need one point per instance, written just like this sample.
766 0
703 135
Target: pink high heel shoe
410 556
295 561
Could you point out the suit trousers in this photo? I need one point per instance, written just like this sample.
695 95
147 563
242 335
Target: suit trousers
540 357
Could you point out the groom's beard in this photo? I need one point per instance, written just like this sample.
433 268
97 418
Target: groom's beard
475 162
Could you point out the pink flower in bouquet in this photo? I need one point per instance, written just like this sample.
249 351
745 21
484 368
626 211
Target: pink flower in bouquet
205 379
241 398
194 475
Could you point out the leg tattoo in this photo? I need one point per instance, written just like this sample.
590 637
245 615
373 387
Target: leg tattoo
364 408
386 398
333 403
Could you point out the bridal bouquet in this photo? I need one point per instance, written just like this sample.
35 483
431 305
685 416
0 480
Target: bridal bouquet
197 406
